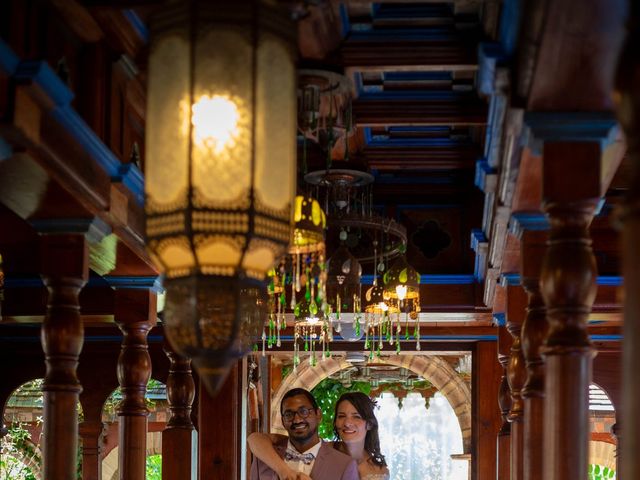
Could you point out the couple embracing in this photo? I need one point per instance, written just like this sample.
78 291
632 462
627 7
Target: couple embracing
354 455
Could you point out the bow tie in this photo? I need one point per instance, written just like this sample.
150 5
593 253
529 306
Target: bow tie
292 455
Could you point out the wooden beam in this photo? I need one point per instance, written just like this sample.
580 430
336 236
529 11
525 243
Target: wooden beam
382 112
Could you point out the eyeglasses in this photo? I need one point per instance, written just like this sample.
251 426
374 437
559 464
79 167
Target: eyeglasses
302 412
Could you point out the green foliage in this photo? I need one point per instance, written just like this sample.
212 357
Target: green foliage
327 393
154 467
600 472
16 449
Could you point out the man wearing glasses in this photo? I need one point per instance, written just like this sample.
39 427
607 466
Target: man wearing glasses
304 454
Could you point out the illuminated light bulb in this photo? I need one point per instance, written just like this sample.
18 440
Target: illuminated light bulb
401 291
312 320
215 121
383 306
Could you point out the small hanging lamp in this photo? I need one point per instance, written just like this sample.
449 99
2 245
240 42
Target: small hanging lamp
402 291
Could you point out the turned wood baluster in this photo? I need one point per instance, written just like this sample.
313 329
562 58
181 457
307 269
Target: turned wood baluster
627 96
178 438
533 335
65 270
135 316
516 375
504 402
568 285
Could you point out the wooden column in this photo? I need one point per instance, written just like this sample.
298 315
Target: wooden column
64 260
571 188
135 314
516 376
92 434
485 413
503 469
179 437
627 96
219 459
534 333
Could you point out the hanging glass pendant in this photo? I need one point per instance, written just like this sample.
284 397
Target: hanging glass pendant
402 292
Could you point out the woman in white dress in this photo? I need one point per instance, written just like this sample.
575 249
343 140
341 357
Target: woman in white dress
356 429
356 426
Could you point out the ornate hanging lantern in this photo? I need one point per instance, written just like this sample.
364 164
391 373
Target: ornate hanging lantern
344 273
220 169
302 275
402 291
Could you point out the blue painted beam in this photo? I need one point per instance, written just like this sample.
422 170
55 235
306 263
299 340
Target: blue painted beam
540 127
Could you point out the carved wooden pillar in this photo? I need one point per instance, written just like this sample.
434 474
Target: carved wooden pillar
485 415
504 401
516 376
220 460
135 314
533 335
92 434
628 109
179 437
568 284
64 260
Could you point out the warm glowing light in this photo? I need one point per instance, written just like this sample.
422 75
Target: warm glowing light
312 320
401 291
215 121
383 306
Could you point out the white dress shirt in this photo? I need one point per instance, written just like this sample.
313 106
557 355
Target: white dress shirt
300 466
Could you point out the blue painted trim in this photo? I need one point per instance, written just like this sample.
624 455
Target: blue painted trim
527 221
23 282
477 237
344 19
137 24
483 170
509 25
543 127
426 279
414 95
417 76
610 281
151 283
87 339
376 35
500 319
385 179
510 279
8 60
6 150
606 338
489 55
42 75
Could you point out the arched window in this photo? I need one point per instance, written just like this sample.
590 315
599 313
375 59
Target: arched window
418 439
602 445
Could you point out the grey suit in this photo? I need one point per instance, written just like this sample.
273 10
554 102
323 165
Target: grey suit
330 464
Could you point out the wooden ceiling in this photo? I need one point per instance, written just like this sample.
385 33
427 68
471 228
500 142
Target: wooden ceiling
425 127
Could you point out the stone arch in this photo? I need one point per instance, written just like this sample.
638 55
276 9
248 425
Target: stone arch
602 453
431 367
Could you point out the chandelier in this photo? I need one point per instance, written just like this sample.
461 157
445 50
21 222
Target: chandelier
220 170
302 274
402 294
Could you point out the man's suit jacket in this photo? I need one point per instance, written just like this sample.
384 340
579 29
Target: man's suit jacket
330 464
